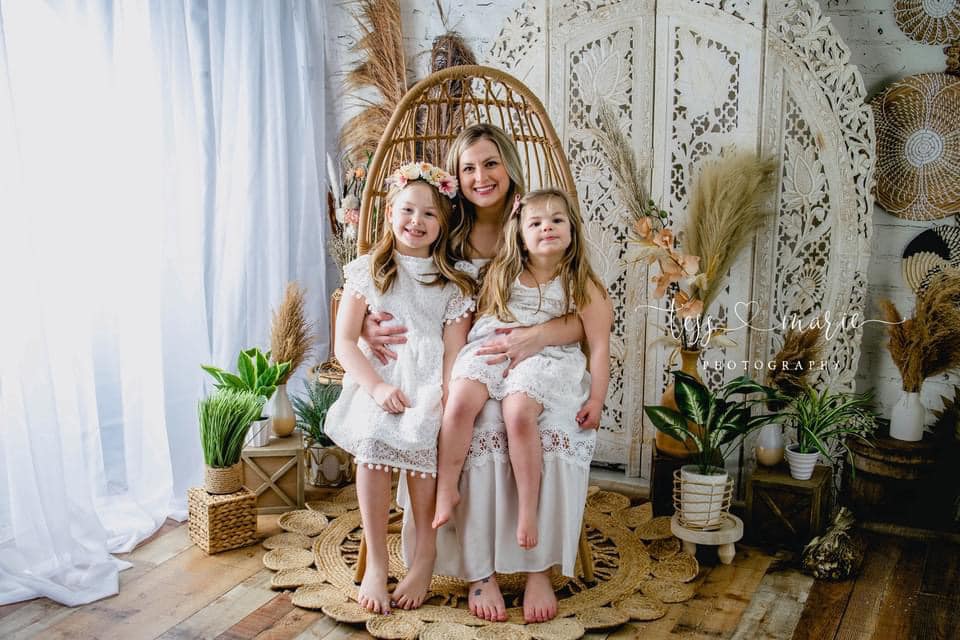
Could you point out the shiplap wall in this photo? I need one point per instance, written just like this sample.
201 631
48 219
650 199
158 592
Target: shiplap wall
877 46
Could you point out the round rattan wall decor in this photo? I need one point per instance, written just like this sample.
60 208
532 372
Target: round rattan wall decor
930 253
928 21
918 146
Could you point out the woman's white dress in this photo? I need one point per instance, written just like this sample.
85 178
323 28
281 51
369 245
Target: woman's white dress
355 422
481 539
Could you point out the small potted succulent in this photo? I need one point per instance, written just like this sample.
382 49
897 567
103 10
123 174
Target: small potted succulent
716 423
327 464
225 418
822 422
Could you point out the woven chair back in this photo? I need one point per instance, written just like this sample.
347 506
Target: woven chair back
437 109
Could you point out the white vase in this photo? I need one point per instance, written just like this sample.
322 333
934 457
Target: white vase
769 447
259 433
801 464
282 418
702 499
908 417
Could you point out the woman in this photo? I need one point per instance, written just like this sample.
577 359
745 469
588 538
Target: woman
482 540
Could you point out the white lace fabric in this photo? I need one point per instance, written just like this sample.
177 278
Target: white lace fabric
355 422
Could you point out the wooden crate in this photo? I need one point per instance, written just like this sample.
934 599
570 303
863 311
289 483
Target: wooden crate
784 511
222 522
274 473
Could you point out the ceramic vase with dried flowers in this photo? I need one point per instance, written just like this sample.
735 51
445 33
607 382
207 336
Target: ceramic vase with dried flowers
922 346
290 341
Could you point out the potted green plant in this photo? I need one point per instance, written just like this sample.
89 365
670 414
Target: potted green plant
327 464
256 375
225 418
716 423
822 422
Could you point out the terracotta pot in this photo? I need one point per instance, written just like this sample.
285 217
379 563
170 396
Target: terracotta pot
666 444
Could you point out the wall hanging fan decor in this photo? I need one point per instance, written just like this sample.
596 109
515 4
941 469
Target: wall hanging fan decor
928 21
918 146
929 254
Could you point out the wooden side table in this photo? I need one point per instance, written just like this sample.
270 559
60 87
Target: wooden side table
275 474
784 511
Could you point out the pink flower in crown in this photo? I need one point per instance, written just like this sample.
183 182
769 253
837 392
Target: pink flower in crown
448 186
351 216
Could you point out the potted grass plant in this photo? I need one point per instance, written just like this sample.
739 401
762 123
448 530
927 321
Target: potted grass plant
327 464
225 418
822 422
716 423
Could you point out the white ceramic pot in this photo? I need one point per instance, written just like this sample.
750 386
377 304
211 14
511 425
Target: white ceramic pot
801 464
702 499
908 417
259 433
769 447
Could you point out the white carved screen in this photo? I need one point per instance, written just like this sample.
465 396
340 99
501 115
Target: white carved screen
687 79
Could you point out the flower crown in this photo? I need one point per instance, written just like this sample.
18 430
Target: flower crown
431 174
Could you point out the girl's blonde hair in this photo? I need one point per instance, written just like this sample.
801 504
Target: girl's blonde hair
383 262
466 214
574 271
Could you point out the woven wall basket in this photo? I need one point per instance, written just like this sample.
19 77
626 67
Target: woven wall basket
928 21
918 146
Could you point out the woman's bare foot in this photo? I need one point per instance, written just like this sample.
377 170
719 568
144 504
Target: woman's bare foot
373 595
447 501
413 589
539 600
527 529
486 601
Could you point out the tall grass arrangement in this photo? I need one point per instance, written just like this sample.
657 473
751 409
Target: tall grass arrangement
225 418
290 338
791 369
928 343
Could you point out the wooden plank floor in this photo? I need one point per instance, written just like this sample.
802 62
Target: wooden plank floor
907 589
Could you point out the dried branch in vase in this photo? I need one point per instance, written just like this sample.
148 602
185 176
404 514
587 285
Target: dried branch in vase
927 344
290 338
449 50
792 362
382 67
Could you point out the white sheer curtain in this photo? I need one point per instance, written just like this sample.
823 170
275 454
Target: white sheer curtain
160 182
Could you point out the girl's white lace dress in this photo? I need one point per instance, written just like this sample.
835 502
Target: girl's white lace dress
355 422
482 538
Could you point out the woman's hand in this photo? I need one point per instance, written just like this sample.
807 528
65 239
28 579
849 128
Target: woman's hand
512 345
378 337
589 415
390 398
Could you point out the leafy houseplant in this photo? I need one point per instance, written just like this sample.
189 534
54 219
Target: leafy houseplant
823 421
328 464
722 422
225 418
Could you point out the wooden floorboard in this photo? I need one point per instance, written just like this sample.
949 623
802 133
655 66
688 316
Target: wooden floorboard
824 610
776 606
870 589
897 612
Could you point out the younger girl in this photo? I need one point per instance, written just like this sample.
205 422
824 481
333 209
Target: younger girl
388 415
541 272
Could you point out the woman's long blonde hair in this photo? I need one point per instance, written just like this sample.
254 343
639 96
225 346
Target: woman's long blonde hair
466 214
383 263
574 271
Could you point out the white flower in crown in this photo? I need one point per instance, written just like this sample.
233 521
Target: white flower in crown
429 173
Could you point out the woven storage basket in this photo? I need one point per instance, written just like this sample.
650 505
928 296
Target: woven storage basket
222 480
918 146
222 522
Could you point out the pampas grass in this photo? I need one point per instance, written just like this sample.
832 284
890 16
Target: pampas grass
382 66
225 418
290 338
628 177
927 344
799 349
728 205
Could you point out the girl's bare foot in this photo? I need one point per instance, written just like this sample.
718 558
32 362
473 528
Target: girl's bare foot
373 595
447 501
539 600
486 601
527 529
413 589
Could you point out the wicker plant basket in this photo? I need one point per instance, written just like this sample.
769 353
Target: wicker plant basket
918 146
222 522
928 21
222 480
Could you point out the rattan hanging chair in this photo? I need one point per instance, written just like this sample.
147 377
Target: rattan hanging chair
438 108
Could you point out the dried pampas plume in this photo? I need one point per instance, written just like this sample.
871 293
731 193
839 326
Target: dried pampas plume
927 344
628 177
799 349
290 338
382 67
728 205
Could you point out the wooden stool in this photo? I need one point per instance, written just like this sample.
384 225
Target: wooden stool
730 531
275 474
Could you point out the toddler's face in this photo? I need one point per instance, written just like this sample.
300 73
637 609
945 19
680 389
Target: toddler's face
545 228
414 219
483 178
